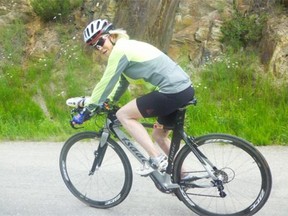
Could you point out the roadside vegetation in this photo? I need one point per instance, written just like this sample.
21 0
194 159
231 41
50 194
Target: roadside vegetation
233 95
234 98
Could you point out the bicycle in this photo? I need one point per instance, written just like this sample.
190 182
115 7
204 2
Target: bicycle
229 175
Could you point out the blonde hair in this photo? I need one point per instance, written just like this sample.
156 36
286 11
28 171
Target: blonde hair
120 33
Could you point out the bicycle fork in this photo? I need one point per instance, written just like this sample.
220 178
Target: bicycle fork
100 152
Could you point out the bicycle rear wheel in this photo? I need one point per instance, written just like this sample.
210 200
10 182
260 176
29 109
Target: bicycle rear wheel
243 170
109 185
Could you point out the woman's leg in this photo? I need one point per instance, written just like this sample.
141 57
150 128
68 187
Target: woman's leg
128 115
161 137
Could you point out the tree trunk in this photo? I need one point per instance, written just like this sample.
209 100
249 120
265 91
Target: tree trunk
148 20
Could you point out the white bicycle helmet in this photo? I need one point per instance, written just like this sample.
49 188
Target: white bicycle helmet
95 30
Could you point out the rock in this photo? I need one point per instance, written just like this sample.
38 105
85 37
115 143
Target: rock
200 34
14 10
274 47
244 6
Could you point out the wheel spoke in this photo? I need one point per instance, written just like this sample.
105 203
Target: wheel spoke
243 175
102 186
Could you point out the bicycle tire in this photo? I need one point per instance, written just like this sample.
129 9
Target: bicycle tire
109 185
246 176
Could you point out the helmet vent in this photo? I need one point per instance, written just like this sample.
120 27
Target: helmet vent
92 28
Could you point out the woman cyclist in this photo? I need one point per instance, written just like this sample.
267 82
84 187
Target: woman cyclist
130 60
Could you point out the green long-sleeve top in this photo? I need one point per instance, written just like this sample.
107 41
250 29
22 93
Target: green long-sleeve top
132 60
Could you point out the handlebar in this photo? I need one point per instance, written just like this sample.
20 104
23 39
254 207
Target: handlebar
106 108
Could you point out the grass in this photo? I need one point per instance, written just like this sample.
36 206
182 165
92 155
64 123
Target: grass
233 97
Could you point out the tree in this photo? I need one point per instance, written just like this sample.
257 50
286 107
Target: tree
148 20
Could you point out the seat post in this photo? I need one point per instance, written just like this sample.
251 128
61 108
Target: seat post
180 117
177 133
176 138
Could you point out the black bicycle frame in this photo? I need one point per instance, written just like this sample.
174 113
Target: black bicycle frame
163 180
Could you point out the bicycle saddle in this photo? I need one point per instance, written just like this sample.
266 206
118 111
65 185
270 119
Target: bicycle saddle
191 102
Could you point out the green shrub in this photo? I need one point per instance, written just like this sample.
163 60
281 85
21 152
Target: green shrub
243 30
52 9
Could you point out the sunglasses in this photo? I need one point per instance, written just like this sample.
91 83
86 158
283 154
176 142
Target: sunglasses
100 43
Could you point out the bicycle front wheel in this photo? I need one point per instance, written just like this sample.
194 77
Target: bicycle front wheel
241 168
111 182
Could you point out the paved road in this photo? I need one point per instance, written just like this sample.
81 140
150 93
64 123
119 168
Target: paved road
31 185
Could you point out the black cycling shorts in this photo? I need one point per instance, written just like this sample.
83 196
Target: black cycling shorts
163 106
